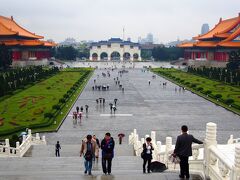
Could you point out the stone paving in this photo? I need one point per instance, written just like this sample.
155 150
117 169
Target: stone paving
144 107
141 106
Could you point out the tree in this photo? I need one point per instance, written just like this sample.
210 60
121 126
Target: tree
66 53
5 57
167 53
234 60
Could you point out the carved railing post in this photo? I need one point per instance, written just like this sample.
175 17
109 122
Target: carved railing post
168 148
7 147
210 140
236 168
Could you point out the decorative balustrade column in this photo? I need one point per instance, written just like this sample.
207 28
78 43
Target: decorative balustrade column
7 146
153 137
17 148
236 168
168 148
37 136
210 140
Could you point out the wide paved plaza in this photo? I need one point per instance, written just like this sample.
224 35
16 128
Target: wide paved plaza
144 107
141 106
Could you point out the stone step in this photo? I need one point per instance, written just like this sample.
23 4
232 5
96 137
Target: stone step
98 175
73 150
65 163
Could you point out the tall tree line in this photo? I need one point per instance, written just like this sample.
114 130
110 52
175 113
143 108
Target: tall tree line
18 78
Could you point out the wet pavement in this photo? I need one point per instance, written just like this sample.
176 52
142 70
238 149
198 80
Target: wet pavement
144 107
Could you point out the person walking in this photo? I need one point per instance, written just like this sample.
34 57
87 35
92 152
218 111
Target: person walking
107 146
115 101
77 109
81 109
147 154
97 148
111 107
88 150
149 82
183 149
57 149
86 108
114 109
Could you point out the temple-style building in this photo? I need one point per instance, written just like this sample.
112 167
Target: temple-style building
115 49
27 48
215 44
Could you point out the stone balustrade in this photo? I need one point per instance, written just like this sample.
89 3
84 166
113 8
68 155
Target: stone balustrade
20 149
209 160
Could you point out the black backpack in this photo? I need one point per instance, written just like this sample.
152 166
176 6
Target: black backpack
89 154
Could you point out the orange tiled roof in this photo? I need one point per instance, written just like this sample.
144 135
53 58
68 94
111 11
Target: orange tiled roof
187 44
230 44
223 26
15 42
223 35
206 44
49 44
13 27
4 31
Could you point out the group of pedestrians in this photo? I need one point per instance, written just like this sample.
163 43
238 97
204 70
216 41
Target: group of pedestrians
113 107
90 151
78 114
183 150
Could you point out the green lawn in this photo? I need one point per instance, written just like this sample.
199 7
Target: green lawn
27 108
200 85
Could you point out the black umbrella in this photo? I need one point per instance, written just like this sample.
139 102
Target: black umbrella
157 166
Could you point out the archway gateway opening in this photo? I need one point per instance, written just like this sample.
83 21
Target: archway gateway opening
126 56
115 56
104 56
94 56
135 56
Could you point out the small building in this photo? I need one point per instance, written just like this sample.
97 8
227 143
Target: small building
216 44
27 48
115 49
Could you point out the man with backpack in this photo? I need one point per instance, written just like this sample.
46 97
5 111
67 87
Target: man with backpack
107 146
88 151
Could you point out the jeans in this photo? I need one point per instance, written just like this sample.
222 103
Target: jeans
88 166
109 165
57 153
184 166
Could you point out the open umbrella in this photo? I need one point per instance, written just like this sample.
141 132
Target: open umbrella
121 135
23 133
157 166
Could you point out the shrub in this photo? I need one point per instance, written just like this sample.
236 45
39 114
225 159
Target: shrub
13 140
56 106
65 96
229 101
200 89
193 85
208 92
218 96
182 81
48 115
187 83
62 100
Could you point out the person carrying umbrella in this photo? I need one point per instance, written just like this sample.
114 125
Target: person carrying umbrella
120 136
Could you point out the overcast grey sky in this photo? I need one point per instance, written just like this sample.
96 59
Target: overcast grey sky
102 19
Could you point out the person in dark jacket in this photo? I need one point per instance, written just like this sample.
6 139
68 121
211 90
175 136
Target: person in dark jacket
147 154
107 146
57 149
183 149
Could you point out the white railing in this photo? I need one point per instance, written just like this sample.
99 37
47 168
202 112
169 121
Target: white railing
19 151
208 159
